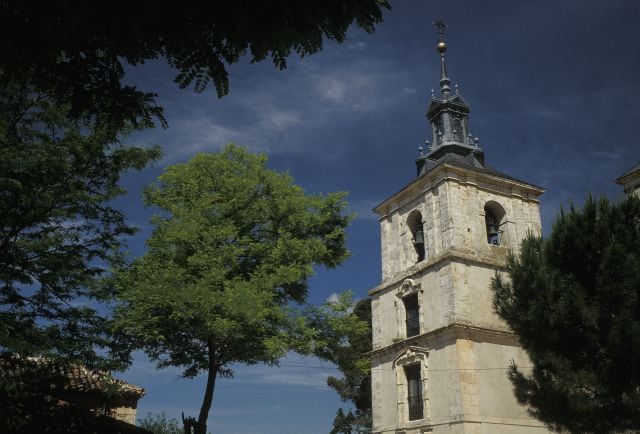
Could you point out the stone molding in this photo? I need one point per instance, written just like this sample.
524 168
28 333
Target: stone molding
408 287
410 356
457 331
462 175
495 257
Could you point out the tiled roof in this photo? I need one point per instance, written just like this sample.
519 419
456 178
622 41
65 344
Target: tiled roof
634 169
470 162
71 378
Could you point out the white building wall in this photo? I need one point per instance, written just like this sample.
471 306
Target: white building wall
469 348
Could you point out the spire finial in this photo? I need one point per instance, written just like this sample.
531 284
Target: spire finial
442 48
440 25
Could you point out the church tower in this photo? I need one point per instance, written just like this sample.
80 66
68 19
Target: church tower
440 353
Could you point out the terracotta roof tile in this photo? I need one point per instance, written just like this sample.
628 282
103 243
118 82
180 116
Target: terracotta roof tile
77 378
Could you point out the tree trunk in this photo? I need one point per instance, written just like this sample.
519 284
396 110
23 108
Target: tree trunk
201 426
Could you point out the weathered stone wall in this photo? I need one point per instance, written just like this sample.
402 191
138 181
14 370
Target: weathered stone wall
465 385
452 208
125 414
453 289
465 346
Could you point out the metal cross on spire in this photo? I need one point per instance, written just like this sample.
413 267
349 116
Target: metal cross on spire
440 25
442 48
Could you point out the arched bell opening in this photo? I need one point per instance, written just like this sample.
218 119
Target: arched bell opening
493 217
415 224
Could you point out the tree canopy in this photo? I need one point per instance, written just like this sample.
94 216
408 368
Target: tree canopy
76 51
574 301
64 112
343 337
65 109
58 229
233 247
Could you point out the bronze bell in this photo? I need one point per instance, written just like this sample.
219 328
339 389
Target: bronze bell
493 235
418 237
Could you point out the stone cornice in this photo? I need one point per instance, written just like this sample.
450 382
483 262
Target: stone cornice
495 257
446 172
449 421
455 329
630 175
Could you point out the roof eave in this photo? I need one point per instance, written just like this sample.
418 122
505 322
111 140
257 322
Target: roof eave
378 209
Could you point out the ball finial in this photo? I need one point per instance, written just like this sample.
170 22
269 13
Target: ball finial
440 25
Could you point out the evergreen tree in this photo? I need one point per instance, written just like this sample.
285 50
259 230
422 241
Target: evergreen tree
343 423
232 248
574 301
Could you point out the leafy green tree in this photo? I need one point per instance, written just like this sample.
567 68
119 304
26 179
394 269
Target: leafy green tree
64 110
159 424
574 301
76 51
58 229
344 338
63 113
233 247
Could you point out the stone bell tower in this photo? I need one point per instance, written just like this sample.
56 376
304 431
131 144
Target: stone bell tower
440 353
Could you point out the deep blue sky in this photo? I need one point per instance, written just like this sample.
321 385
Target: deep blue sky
553 88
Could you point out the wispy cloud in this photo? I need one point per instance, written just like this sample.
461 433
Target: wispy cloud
293 371
234 412
544 113
606 154
291 377
332 88
294 112
143 372
357 46
364 87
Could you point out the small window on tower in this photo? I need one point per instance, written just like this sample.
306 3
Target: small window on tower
414 392
493 217
412 310
458 131
437 131
414 221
